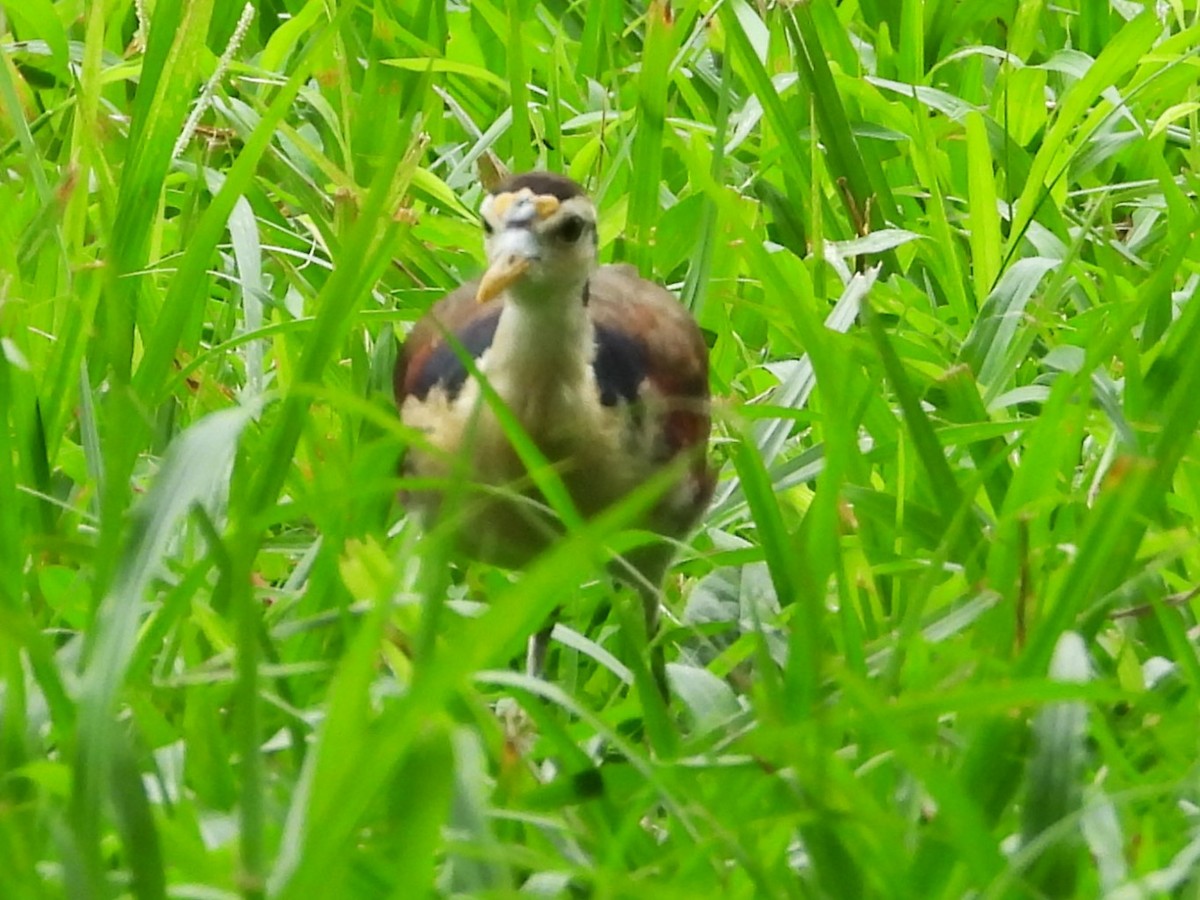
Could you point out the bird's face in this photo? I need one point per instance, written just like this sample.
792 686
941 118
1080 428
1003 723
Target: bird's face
540 248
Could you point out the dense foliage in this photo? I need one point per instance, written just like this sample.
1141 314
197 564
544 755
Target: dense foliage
938 634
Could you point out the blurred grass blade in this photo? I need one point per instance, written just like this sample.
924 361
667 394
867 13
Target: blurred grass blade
933 458
770 436
653 82
195 470
520 134
873 205
1121 54
136 820
983 216
787 131
425 780
1054 790
189 280
169 77
999 320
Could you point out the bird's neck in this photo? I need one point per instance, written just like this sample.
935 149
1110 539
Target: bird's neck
541 349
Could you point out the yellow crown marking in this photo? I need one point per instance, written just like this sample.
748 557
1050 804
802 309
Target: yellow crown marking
545 204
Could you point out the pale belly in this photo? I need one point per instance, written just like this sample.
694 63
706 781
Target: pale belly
485 494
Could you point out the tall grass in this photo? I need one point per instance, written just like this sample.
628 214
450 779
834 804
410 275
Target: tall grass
937 636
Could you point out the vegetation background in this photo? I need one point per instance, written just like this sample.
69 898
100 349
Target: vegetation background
938 634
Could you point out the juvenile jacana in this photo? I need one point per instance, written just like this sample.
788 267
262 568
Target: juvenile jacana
606 372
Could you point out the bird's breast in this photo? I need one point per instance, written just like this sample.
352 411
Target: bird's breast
478 450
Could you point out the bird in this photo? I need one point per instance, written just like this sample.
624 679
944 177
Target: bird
604 371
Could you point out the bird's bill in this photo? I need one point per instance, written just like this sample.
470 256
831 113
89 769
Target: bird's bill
501 274
513 253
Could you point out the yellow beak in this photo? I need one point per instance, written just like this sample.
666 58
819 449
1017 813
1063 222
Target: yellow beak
500 274
511 254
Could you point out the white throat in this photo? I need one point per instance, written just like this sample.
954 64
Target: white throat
541 355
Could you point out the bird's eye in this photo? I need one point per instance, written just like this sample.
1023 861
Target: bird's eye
571 229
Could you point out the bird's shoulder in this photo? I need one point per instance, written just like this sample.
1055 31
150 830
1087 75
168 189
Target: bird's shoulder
628 310
643 333
428 358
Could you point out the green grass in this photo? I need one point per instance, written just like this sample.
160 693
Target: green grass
937 636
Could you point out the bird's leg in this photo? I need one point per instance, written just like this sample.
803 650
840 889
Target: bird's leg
658 659
539 645
645 570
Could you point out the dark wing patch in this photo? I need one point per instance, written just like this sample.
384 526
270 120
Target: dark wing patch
620 365
673 356
552 183
441 365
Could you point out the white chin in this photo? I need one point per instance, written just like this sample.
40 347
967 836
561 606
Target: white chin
538 288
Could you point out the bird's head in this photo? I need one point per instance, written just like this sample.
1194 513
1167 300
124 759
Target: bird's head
540 239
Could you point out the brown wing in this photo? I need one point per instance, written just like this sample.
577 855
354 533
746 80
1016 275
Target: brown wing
674 360
427 359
